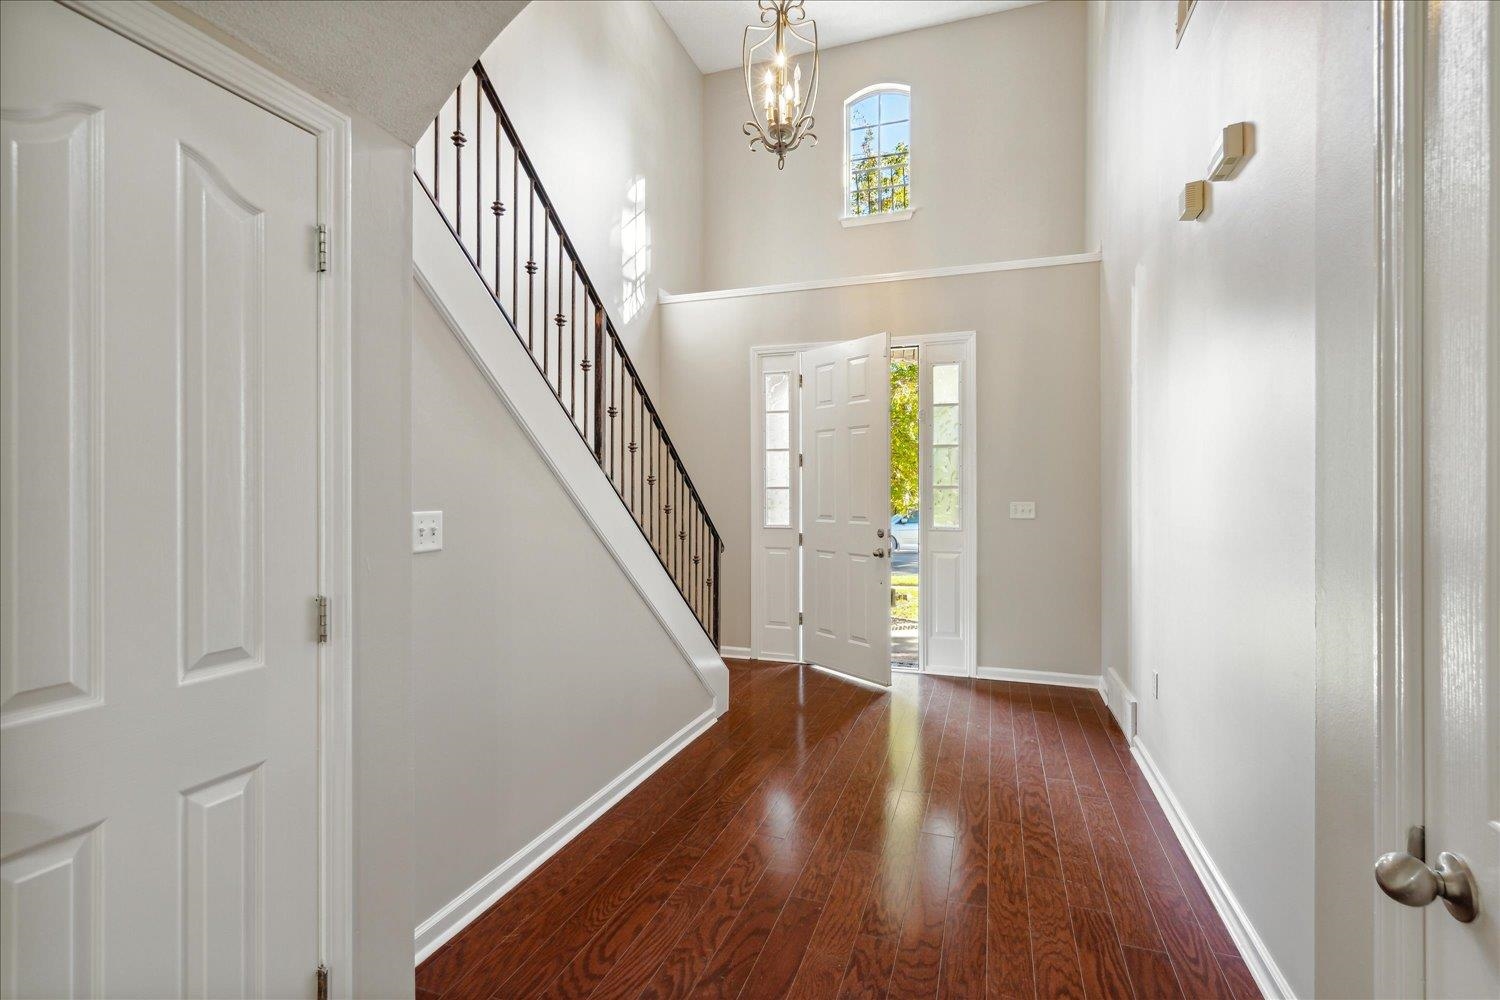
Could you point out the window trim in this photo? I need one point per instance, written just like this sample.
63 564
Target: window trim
845 217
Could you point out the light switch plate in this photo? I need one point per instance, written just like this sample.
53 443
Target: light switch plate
1023 510
426 530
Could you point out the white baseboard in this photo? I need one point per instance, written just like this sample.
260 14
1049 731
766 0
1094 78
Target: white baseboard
1054 677
1262 966
435 931
1122 703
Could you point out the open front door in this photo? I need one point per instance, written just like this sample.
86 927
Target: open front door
846 413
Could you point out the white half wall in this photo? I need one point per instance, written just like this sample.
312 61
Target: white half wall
540 674
1038 435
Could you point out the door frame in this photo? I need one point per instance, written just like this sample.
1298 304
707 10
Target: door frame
174 39
969 495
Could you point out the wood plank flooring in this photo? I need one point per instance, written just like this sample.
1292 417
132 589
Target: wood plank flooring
951 838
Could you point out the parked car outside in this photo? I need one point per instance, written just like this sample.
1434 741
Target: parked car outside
906 532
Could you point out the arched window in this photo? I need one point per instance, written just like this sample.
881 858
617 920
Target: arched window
877 151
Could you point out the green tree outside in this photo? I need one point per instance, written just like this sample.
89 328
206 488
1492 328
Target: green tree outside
881 183
905 438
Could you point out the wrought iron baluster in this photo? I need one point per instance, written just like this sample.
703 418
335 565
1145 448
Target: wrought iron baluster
598 382
458 161
573 344
546 261
478 184
515 229
530 264
498 207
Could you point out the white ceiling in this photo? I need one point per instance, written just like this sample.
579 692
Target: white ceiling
396 62
712 30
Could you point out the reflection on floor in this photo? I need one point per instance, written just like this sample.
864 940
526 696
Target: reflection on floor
950 837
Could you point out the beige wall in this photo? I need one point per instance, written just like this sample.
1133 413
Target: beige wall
1210 337
997 156
541 675
1038 427
602 94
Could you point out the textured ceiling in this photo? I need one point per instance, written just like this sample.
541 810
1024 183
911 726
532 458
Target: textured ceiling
395 61
712 30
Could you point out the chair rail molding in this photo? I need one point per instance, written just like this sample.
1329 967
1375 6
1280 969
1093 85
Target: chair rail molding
955 270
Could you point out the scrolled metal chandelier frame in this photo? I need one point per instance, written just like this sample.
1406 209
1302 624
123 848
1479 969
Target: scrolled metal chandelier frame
782 119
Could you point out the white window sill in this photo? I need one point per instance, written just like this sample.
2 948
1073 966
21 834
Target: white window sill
850 221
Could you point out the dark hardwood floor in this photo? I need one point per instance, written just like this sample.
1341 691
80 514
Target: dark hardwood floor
951 838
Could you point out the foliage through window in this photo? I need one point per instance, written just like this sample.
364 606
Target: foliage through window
878 137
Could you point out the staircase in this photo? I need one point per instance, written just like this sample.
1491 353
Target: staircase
473 168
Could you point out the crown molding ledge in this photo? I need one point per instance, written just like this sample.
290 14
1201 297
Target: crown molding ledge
1063 260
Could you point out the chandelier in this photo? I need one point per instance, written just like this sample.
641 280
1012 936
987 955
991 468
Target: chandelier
779 117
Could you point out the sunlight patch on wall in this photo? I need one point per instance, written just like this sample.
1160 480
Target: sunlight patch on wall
635 250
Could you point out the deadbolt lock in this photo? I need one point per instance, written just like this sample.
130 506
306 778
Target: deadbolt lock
879 532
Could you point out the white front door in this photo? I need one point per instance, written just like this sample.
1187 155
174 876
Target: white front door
158 436
846 415
1461 494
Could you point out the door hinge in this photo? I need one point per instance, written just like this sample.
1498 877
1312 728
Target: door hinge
321 603
799 539
799 380
322 249
322 982
799 459
799 618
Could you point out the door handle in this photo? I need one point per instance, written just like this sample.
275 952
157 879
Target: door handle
878 553
1410 881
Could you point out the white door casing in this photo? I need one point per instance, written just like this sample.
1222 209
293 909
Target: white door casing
776 597
1460 334
948 536
170 509
846 507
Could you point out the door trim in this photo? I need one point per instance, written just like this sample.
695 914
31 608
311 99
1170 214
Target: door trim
970 611
174 39
1398 945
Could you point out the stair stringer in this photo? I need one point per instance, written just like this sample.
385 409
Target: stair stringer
445 274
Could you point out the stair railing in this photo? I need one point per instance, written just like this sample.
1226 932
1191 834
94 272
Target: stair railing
474 168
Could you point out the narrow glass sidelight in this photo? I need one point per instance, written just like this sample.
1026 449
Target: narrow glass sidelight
947 437
777 508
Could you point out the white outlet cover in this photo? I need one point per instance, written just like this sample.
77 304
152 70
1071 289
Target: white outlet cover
426 530
1023 510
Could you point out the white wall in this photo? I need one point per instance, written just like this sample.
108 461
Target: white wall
1038 435
602 95
1208 346
997 156
541 675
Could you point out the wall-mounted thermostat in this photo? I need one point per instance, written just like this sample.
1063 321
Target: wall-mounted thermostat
1231 152
1190 203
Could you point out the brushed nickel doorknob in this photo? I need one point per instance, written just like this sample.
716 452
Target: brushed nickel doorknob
1410 881
878 553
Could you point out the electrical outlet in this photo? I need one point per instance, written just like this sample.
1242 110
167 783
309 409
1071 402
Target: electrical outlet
1155 685
426 530
1023 510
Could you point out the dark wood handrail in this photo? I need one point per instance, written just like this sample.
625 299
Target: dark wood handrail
681 534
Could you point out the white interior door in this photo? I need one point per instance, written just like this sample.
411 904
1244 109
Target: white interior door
158 687
1461 502
947 507
846 578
